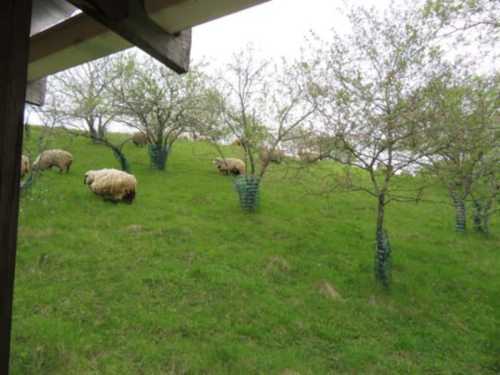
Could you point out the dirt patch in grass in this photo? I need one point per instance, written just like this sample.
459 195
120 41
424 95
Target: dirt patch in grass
327 290
277 264
135 229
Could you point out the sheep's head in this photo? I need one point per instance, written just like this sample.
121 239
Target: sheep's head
218 162
88 178
129 197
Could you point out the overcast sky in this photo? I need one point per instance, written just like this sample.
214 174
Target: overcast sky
276 28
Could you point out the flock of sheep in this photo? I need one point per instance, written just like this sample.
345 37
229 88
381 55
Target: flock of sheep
111 184
119 186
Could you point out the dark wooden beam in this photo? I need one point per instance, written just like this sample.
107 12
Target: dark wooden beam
15 16
114 10
81 38
132 23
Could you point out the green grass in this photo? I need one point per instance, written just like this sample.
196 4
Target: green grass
183 282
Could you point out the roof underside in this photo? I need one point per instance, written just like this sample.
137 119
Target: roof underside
47 13
63 38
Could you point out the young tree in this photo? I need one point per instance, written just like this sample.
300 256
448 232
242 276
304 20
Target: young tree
372 87
80 101
262 108
82 95
468 114
156 101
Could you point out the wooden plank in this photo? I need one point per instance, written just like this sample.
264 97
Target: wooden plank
79 40
176 15
140 30
114 10
15 16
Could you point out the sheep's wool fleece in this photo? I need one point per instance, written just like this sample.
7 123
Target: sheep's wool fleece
139 139
274 156
25 165
111 183
230 164
51 158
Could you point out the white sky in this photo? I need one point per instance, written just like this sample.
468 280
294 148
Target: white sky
276 28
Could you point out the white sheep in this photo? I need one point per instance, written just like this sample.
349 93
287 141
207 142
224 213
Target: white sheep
53 158
309 156
112 184
271 156
139 139
230 166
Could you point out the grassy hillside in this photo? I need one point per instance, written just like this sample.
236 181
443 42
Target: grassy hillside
183 282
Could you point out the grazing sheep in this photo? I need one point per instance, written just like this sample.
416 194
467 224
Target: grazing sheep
53 158
139 139
25 165
272 156
184 137
230 166
309 157
112 184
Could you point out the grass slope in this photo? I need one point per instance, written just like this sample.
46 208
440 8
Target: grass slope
183 282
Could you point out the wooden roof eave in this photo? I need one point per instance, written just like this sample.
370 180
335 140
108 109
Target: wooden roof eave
159 27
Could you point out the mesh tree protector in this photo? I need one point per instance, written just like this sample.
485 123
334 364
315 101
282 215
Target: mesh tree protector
248 191
383 261
158 155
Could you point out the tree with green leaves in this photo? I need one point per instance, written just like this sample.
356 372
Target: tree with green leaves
80 101
155 101
468 113
371 87
82 95
263 108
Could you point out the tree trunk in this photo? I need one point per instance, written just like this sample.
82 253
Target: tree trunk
117 153
122 159
382 247
481 216
93 135
158 155
101 131
476 215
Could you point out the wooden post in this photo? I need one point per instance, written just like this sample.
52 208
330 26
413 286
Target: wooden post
15 17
